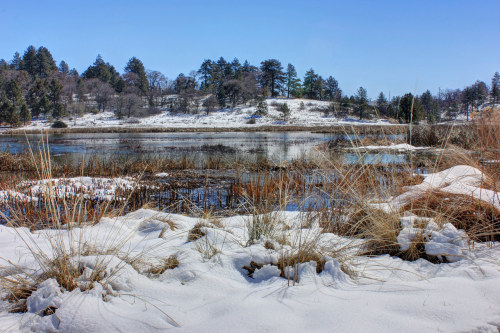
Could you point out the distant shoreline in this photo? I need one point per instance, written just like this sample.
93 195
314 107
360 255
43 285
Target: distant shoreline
361 129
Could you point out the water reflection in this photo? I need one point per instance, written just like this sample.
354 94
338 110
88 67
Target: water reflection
277 146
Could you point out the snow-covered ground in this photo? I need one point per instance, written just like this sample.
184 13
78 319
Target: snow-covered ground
392 147
226 118
460 179
210 290
89 187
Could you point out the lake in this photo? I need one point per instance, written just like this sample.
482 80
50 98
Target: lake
275 146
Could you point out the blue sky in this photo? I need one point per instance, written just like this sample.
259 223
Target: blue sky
390 46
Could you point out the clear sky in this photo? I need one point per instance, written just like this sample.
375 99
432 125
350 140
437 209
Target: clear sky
390 46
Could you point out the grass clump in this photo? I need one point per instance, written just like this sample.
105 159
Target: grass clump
196 232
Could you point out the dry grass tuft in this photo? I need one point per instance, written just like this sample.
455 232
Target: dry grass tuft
196 232
302 256
167 263
478 218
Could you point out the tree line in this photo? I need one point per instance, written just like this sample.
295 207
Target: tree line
32 85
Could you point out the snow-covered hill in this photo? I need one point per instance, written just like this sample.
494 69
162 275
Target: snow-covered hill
311 115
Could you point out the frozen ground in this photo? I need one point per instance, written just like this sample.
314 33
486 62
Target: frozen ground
392 147
211 291
226 118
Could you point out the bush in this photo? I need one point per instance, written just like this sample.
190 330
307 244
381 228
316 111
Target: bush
261 107
285 111
59 124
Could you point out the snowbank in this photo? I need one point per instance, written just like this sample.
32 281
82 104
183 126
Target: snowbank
460 179
445 241
210 290
396 147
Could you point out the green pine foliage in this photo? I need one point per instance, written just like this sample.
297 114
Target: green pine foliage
285 111
136 66
292 81
25 114
261 107
272 76
410 109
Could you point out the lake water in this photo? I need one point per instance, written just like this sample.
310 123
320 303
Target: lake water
277 146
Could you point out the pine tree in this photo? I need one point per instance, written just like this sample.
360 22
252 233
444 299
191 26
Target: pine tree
63 67
361 101
426 100
136 66
382 103
35 94
310 84
25 114
14 117
30 61
206 72
16 62
237 71
410 109
44 106
292 81
3 65
495 88
261 107
273 77
285 111
332 90
45 63
4 107
13 93
99 70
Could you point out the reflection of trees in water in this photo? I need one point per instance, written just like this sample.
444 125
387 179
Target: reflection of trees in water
258 146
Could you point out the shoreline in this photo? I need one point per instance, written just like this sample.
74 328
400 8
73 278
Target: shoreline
359 129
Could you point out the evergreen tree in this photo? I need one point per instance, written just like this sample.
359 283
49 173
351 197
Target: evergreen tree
13 93
54 95
225 70
332 90
102 71
495 88
16 62
310 84
426 100
273 77
261 107
206 71
247 68
361 101
25 114
480 93
467 99
292 81
410 109
136 66
30 61
63 67
3 65
45 63
34 96
382 104
236 69
4 107
44 105
14 115
285 111
320 88
74 73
